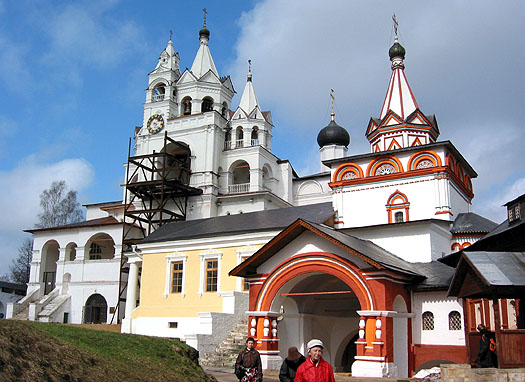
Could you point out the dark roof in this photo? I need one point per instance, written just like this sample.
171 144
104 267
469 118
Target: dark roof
109 220
438 276
369 252
333 134
5 284
489 274
470 222
268 220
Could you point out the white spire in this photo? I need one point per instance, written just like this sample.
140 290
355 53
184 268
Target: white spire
249 99
399 97
168 60
203 62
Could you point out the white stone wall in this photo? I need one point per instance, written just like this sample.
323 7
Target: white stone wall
440 306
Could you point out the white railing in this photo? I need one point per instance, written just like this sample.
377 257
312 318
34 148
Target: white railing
158 97
227 145
239 143
255 142
238 188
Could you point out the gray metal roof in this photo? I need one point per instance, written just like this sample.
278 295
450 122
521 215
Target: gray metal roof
268 220
472 223
499 268
489 274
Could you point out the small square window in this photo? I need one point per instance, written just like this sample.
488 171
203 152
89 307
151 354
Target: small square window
173 325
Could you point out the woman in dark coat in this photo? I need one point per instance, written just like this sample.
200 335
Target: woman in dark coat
290 365
487 348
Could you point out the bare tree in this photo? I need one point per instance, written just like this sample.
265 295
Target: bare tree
59 206
20 266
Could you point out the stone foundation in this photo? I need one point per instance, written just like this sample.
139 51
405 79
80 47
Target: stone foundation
464 373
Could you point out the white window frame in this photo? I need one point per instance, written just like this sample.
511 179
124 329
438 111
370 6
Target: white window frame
242 254
170 259
211 254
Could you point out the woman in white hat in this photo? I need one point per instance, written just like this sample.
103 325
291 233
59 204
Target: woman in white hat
315 368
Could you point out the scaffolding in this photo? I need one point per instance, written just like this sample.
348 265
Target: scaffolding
156 192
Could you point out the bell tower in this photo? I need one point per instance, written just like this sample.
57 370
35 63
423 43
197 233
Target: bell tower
161 95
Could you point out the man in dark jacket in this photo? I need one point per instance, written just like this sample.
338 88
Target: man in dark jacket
290 365
248 367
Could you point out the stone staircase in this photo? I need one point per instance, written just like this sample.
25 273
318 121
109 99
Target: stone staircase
226 353
46 313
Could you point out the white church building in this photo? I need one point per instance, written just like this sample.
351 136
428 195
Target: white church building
214 229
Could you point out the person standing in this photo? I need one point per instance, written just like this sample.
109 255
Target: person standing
487 348
315 368
290 365
248 367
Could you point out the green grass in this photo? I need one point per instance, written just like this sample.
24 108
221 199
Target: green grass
68 353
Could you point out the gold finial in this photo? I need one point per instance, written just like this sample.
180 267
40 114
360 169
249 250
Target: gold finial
396 24
332 114
249 66
171 34
204 10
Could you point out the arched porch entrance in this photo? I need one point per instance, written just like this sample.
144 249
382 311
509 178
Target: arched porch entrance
314 295
318 305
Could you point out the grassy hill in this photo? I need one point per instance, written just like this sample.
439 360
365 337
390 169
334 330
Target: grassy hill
34 352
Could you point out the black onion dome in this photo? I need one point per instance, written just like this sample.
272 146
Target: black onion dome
333 134
204 32
397 50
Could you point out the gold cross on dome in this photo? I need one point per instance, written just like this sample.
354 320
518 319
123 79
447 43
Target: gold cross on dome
204 10
333 102
171 34
396 24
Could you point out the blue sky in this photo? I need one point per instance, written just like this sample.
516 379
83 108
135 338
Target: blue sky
73 75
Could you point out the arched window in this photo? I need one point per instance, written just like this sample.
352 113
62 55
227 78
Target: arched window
240 137
207 104
228 140
397 207
255 136
428 321
454 320
240 178
186 106
158 92
224 109
95 252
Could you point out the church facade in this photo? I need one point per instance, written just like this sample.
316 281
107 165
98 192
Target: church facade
347 255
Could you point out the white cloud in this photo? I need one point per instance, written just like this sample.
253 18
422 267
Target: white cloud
90 37
22 187
463 64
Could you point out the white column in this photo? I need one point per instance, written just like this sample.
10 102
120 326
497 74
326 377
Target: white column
131 294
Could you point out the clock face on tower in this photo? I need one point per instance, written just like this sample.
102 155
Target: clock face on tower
155 123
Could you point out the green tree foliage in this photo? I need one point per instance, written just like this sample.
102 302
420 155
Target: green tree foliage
59 206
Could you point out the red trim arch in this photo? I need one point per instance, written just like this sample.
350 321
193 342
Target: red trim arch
397 201
455 247
346 168
372 167
314 262
416 158
451 162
